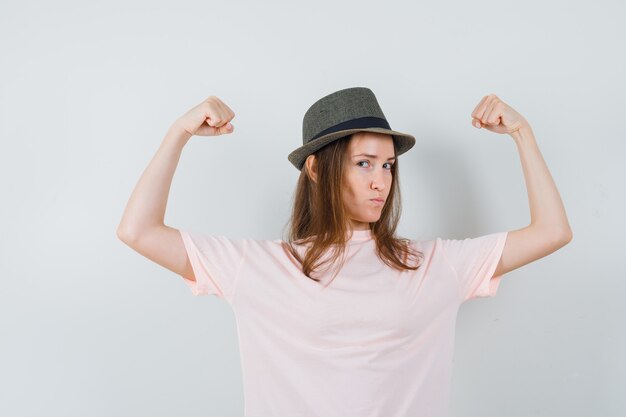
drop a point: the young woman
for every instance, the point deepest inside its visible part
(344, 318)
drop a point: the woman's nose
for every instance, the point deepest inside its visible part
(378, 182)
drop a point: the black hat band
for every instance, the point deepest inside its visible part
(360, 123)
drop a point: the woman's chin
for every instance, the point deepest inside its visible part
(368, 219)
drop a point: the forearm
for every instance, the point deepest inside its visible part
(546, 208)
(148, 201)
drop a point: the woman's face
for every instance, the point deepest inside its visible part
(367, 177)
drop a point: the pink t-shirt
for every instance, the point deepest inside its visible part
(375, 342)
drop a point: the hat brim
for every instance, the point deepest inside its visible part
(404, 142)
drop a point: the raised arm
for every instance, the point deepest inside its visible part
(549, 228)
(142, 226)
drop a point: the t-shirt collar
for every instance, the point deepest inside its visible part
(359, 235)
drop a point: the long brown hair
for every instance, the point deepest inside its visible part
(320, 217)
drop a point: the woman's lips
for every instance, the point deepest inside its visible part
(377, 201)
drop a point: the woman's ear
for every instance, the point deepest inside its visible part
(311, 167)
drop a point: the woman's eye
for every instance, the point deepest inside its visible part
(388, 163)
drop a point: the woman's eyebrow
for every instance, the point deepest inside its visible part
(372, 156)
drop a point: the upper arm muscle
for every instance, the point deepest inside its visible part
(163, 245)
(526, 245)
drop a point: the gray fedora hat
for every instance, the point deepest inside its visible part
(340, 114)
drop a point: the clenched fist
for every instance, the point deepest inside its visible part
(210, 118)
(495, 115)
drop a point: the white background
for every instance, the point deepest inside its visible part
(87, 92)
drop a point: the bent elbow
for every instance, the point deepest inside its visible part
(565, 237)
(123, 235)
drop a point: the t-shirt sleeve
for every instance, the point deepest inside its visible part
(474, 261)
(216, 261)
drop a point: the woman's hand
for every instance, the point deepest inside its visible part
(210, 118)
(495, 115)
